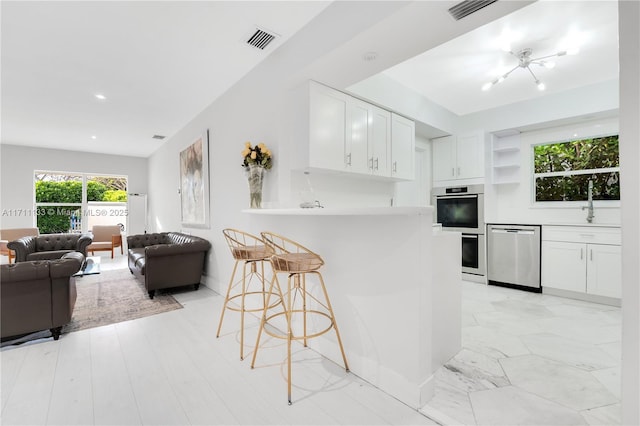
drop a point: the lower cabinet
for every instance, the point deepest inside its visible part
(583, 260)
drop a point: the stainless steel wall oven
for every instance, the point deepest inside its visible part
(461, 208)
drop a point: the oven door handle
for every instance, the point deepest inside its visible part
(449, 196)
(470, 236)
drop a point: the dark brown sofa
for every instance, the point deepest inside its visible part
(38, 295)
(49, 246)
(167, 259)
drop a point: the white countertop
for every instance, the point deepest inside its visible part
(587, 224)
(350, 211)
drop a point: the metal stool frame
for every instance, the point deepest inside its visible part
(297, 262)
(251, 251)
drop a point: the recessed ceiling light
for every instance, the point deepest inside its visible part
(94, 137)
(100, 96)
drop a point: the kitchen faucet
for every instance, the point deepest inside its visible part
(589, 205)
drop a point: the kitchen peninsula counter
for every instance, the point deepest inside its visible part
(395, 286)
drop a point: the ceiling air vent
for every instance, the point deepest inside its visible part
(467, 7)
(159, 137)
(260, 39)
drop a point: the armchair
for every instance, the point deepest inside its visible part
(38, 295)
(106, 238)
(49, 246)
(7, 235)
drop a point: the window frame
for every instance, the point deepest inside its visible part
(85, 205)
(566, 173)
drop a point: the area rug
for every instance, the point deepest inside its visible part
(115, 296)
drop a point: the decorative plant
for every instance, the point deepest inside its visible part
(259, 154)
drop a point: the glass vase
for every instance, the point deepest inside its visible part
(255, 176)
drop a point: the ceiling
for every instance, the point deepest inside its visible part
(158, 64)
(453, 73)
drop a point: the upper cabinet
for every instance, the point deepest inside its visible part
(350, 135)
(403, 147)
(458, 157)
(327, 124)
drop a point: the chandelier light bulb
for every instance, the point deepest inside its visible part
(573, 51)
(486, 86)
(540, 85)
(548, 64)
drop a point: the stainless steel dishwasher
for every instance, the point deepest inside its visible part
(513, 255)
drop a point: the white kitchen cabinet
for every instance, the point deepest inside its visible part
(458, 157)
(444, 158)
(356, 149)
(327, 128)
(368, 139)
(564, 266)
(379, 141)
(403, 147)
(582, 259)
(470, 156)
(604, 270)
(350, 135)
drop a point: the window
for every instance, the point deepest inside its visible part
(74, 202)
(562, 171)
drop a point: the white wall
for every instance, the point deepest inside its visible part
(512, 203)
(629, 24)
(19, 163)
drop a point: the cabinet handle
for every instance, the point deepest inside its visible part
(348, 159)
(581, 253)
(458, 171)
(453, 171)
(591, 255)
(376, 168)
(371, 163)
(395, 166)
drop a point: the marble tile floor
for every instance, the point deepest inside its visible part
(531, 359)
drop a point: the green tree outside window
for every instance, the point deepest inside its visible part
(563, 170)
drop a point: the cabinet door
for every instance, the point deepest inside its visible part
(403, 147)
(327, 120)
(444, 158)
(380, 141)
(604, 270)
(358, 135)
(564, 265)
(470, 156)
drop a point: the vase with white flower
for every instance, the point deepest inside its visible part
(257, 159)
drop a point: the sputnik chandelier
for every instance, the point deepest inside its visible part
(524, 62)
